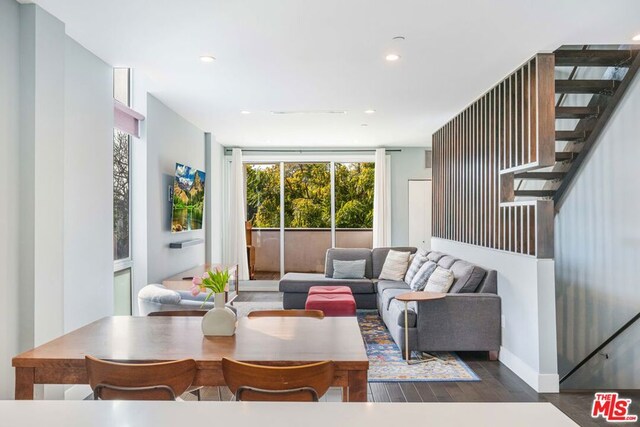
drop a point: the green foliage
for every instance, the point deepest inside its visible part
(307, 200)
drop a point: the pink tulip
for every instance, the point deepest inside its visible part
(195, 290)
(197, 280)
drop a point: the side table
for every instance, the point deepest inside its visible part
(414, 296)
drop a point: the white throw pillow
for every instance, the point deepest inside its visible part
(415, 262)
(439, 281)
(395, 266)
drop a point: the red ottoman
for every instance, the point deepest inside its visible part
(331, 290)
(332, 305)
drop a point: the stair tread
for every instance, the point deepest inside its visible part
(593, 58)
(587, 86)
(541, 175)
(565, 155)
(576, 112)
(535, 193)
(571, 135)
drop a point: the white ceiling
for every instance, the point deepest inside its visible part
(309, 55)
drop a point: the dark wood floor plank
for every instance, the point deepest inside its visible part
(410, 392)
(440, 391)
(425, 392)
(395, 392)
(379, 392)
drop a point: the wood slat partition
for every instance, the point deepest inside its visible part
(511, 128)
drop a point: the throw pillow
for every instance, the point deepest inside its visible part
(421, 277)
(395, 266)
(349, 269)
(415, 262)
(439, 281)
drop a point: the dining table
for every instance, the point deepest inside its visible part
(272, 341)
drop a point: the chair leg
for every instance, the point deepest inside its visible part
(196, 393)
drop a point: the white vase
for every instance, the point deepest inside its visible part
(220, 320)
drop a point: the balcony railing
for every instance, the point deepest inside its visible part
(304, 248)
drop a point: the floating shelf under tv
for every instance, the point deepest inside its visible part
(186, 243)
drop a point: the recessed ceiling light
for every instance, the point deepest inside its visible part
(364, 125)
(369, 111)
(392, 57)
(400, 38)
(245, 112)
(636, 38)
(207, 58)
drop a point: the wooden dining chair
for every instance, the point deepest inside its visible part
(317, 314)
(304, 383)
(143, 381)
(172, 313)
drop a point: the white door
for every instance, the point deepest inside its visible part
(420, 213)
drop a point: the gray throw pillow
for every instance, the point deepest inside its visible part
(349, 269)
(420, 279)
(414, 265)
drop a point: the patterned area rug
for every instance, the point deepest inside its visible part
(386, 363)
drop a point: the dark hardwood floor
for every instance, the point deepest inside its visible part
(498, 384)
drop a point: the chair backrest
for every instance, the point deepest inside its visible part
(317, 314)
(304, 383)
(144, 381)
(171, 313)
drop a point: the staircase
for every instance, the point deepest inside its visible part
(583, 107)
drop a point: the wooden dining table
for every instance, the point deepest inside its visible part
(275, 341)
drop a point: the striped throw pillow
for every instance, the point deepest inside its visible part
(440, 281)
(395, 266)
(420, 279)
(414, 265)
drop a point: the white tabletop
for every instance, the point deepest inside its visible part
(159, 414)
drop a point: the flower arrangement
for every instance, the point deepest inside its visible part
(214, 282)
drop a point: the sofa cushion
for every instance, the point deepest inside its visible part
(446, 262)
(396, 311)
(439, 281)
(415, 262)
(383, 285)
(379, 255)
(395, 266)
(422, 277)
(349, 269)
(301, 282)
(389, 295)
(348, 254)
(159, 294)
(467, 277)
(435, 256)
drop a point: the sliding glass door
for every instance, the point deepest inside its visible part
(298, 210)
(307, 216)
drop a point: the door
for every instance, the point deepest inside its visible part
(420, 213)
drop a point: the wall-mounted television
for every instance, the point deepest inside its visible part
(188, 199)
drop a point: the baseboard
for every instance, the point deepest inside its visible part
(542, 383)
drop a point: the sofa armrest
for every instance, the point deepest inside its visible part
(460, 322)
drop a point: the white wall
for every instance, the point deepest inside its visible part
(9, 214)
(213, 199)
(88, 187)
(405, 165)
(597, 253)
(171, 139)
(526, 287)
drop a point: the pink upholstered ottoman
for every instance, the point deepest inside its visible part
(332, 305)
(331, 290)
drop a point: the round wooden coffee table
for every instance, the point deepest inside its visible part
(407, 298)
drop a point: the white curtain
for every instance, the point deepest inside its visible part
(381, 203)
(237, 217)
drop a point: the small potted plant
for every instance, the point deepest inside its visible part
(220, 320)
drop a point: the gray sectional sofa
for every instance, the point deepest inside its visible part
(468, 319)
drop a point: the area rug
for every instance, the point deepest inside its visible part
(244, 308)
(386, 363)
